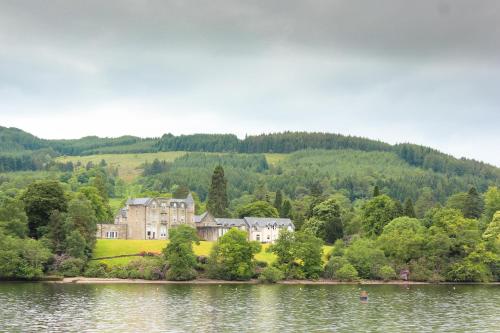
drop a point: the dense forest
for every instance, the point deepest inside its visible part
(13, 142)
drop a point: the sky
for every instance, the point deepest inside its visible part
(425, 72)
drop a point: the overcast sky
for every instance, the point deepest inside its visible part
(425, 72)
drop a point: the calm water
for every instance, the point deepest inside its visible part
(26, 307)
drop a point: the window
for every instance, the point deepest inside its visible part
(163, 232)
(111, 234)
(257, 237)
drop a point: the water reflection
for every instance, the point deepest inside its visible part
(246, 308)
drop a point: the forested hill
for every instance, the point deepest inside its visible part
(20, 150)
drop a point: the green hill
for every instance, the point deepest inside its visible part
(293, 162)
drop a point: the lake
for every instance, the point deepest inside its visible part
(145, 308)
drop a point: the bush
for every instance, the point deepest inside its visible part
(333, 265)
(386, 273)
(366, 258)
(71, 267)
(271, 275)
(145, 268)
(232, 256)
(119, 272)
(96, 269)
(179, 254)
(261, 264)
(468, 271)
(347, 273)
(202, 260)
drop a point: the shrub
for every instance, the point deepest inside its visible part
(271, 275)
(386, 273)
(261, 264)
(202, 260)
(119, 272)
(232, 256)
(71, 267)
(179, 254)
(366, 258)
(468, 271)
(143, 268)
(96, 269)
(347, 273)
(333, 265)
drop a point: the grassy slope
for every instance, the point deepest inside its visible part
(115, 247)
(129, 164)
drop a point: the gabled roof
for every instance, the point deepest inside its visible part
(199, 218)
(268, 221)
(189, 198)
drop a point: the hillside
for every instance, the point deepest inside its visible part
(291, 162)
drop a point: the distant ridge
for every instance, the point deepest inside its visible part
(18, 144)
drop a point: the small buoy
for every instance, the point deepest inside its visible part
(363, 296)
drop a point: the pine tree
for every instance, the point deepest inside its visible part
(278, 201)
(408, 209)
(218, 202)
(376, 191)
(473, 207)
(286, 209)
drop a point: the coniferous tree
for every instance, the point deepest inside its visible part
(398, 208)
(286, 209)
(218, 202)
(376, 191)
(278, 201)
(408, 209)
(473, 204)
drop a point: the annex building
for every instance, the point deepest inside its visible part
(152, 218)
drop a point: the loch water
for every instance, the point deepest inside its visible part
(46, 307)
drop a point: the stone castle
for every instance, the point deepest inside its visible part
(152, 218)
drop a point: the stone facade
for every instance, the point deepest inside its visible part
(152, 218)
(118, 231)
(264, 230)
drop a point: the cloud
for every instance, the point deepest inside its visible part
(424, 72)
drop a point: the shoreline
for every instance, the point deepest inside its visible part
(87, 280)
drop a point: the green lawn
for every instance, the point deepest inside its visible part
(115, 247)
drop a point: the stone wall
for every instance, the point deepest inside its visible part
(120, 229)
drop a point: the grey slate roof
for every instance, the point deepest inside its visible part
(190, 199)
(199, 218)
(139, 201)
(230, 222)
(267, 221)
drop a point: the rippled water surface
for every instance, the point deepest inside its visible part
(40, 307)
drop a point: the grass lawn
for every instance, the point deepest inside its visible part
(115, 247)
